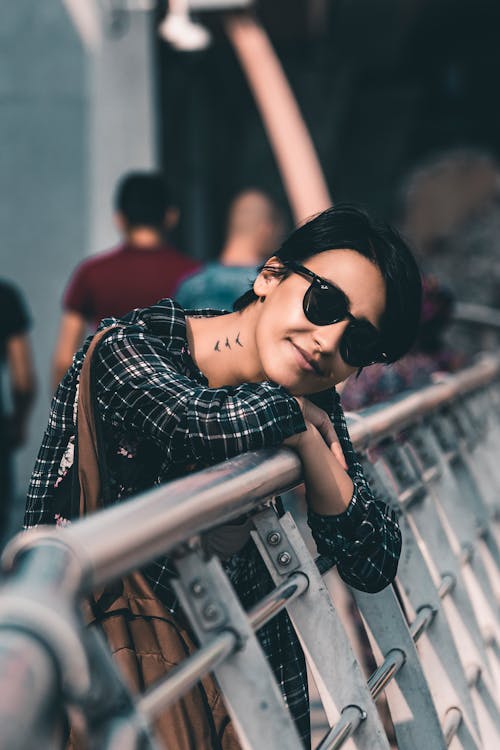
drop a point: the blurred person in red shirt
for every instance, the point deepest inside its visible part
(143, 269)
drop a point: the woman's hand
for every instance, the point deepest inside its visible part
(329, 487)
(317, 421)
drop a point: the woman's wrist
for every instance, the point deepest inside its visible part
(329, 488)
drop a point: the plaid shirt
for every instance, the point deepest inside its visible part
(160, 419)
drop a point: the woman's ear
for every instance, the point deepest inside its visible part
(269, 277)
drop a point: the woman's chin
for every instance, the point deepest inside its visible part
(298, 388)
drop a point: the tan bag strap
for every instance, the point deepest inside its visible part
(134, 594)
(87, 444)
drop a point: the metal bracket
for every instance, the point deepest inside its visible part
(446, 435)
(395, 468)
(273, 539)
(198, 592)
(467, 425)
(326, 645)
(250, 690)
(424, 451)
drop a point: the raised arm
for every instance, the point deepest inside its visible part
(359, 534)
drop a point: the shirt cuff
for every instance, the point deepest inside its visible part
(352, 525)
(287, 412)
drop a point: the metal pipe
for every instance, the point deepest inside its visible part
(125, 733)
(428, 475)
(128, 535)
(396, 415)
(412, 494)
(187, 674)
(30, 709)
(183, 677)
(391, 665)
(473, 674)
(424, 617)
(477, 314)
(452, 721)
(350, 719)
(466, 553)
(276, 600)
(448, 583)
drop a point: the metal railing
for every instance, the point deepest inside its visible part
(433, 455)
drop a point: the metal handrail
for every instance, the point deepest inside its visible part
(96, 550)
(127, 536)
(180, 679)
(391, 417)
(480, 315)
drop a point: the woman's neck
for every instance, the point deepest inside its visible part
(223, 348)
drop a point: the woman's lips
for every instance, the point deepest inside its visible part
(306, 362)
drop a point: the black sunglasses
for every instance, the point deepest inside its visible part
(325, 304)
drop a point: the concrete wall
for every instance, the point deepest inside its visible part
(43, 173)
(72, 119)
(121, 116)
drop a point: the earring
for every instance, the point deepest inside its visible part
(262, 299)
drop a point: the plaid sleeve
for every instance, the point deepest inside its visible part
(142, 392)
(364, 541)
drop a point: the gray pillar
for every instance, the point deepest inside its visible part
(121, 114)
(43, 174)
(73, 117)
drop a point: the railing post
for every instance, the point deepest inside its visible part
(416, 721)
(250, 692)
(323, 638)
(438, 652)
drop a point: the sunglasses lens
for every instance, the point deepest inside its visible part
(324, 306)
(360, 345)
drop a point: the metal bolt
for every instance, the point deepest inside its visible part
(274, 538)
(211, 612)
(197, 588)
(284, 558)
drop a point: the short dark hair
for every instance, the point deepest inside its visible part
(143, 198)
(348, 227)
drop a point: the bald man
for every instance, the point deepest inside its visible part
(254, 232)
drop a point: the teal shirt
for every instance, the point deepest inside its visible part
(215, 287)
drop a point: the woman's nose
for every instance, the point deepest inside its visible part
(328, 338)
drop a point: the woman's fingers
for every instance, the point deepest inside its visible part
(326, 429)
(320, 419)
(317, 422)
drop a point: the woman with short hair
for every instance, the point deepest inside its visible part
(180, 390)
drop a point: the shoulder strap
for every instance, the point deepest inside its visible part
(92, 469)
(94, 485)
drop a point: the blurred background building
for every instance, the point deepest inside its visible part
(89, 89)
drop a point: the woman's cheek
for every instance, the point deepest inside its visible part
(346, 373)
